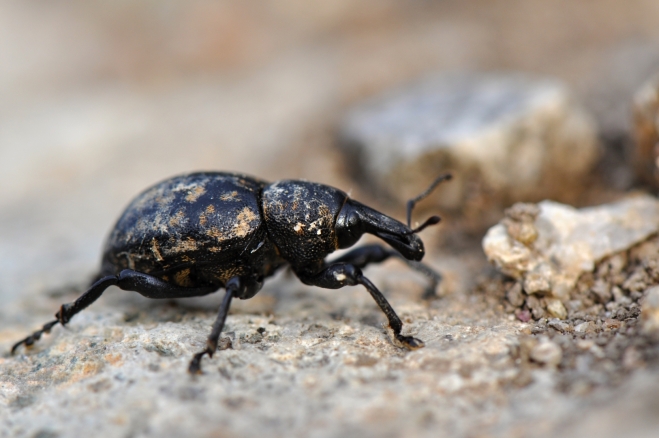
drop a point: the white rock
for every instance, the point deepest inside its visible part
(508, 137)
(569, 241)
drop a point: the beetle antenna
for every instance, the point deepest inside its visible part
(432, 220)
(412, 202)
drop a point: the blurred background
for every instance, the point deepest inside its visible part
(98, 99)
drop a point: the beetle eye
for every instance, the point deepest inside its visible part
(352, 219)
(349, 226)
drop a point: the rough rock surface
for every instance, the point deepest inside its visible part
(508, 138)
(646, 131)
(308, 362)
(547, 247)
(303, 362)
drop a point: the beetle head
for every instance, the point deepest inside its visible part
(355, 219)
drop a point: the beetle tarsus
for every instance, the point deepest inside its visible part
(410, 342)
(30, 340)
(195, 363)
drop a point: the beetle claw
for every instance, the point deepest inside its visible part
(410, 342)
(195, 363)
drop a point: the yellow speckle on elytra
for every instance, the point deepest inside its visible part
(184, 245)
(155, 250)
(177, 218)
(182, 278)
(195, 193)
(229, 196)
(244, 218)
(203, 218)
(216, 234)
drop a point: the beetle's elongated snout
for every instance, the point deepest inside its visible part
(409, 245)
(355, 219)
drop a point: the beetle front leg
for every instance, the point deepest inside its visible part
(233, 287)
(339, 275)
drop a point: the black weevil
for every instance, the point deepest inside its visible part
(193, 234)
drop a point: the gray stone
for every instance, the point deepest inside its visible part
(569, 242)
(506, 137)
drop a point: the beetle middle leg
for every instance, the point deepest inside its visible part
(374, 253)
(129, 280)
(233, 287)
(339, 275)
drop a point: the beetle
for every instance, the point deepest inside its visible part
(193, 234)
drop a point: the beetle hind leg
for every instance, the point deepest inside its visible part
(30, 340)
(144, 284)
(67, 311)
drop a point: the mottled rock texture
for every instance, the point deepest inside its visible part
(303, 363)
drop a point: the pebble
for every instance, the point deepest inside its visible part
(585, 327)
(523, 315)
(560, 326)
(612, 324)
(515, 296)
(506, 137)
(556, 308)
(547, 353)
